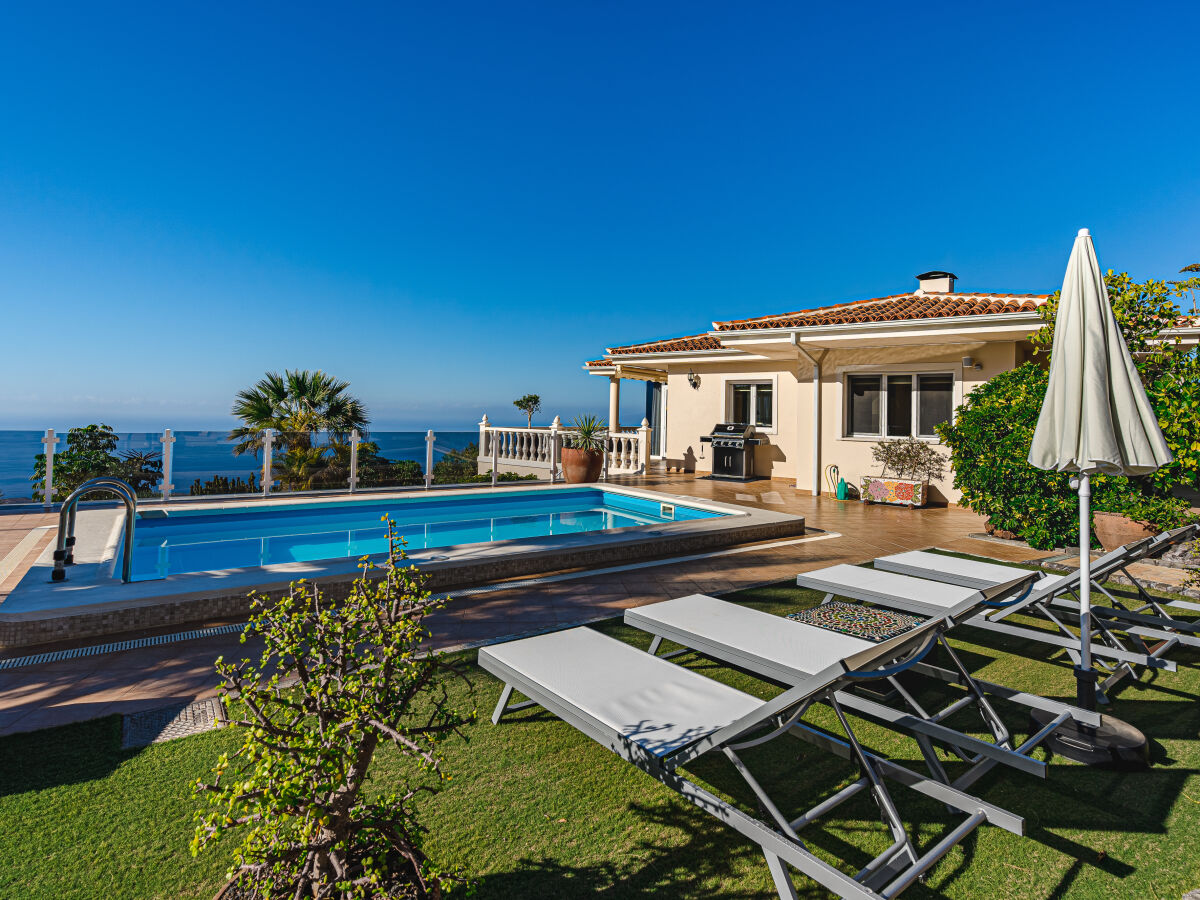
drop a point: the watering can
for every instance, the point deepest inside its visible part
(837, 484)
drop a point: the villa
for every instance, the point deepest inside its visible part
(821, 386)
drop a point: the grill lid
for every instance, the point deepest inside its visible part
(733, 429)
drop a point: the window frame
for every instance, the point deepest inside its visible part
(737, 381)
(883, 373)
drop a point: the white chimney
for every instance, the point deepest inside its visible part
(936, 282)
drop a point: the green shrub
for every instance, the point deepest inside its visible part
(1163, 512)
(909, 458)
(222, 484)
(460, 467)
(989, 443)
(989, 447)
(296, 793)
(91, 453)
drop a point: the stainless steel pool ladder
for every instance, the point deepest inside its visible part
(64, 549)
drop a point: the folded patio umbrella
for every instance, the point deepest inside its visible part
(1096, 417)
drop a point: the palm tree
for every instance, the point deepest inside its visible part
(296, 404)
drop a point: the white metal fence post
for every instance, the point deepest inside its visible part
(168, 442)
(48, 487)
(268, 439)
(644, 447)
(428, 458)
(355, 438)
(554, 447)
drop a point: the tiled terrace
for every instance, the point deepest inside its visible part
(56, 693)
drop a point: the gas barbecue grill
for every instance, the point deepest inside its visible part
(733, 450)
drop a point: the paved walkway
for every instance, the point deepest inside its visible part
(130, 681)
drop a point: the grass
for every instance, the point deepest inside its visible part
(535, 810)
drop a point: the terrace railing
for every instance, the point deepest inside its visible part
(626, 452)
(177, 464)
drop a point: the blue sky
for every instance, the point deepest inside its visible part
(451, 205)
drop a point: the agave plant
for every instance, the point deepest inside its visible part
(588, 433)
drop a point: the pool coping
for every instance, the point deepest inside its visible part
(110, 607)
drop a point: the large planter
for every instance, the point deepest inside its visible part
(894, 491)
(582, 466)
(1115, 530)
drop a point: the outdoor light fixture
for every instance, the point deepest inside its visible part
(969, 363)
(693, 379)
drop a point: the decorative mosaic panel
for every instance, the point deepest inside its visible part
(893, 490)
(867, 622)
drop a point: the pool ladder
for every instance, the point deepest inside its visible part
(64, 549)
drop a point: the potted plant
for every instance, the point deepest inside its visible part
(1124, 514)
(583, 450)
(912, 463)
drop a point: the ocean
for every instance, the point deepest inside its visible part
(200, 454)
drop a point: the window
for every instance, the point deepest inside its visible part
(864, 404)
(753, 404)
(935, 401)
(898, 405)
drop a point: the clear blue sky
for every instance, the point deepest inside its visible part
(451, 205)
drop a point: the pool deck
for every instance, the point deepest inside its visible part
(128, 681)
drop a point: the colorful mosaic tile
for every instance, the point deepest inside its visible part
(867, 622)
(892, 490)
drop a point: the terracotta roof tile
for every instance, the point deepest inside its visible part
(897, 307)
(670, 345)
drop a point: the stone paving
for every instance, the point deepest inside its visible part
(151, 678)
(169, 722)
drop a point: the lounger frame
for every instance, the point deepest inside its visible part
(1119, 633)
(887, 874)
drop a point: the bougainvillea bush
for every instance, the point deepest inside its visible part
(335, 680)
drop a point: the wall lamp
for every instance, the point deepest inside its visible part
(693, 379)
(969, 363)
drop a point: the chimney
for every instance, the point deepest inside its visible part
(936, 283)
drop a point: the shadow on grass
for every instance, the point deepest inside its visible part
(69, 754)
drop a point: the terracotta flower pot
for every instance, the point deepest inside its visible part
(1115, 530)
(582, 466)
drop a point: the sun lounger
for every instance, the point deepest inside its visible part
(787, 652)
(660, 717)
(1120, 633)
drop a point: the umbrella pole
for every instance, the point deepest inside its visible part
(1085, 676)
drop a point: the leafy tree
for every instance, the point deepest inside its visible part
(90, 452)
(1170, 370)
(295, 789)
(990, 437)
(296, 404)
(531, 405)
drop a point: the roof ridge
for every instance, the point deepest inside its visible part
(817, 310)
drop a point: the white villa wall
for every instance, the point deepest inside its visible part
(787, 454)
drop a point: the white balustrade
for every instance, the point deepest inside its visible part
(628, 452)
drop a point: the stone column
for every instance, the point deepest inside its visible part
(614, 403)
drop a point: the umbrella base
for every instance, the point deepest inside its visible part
(1115, 744)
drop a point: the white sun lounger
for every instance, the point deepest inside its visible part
(660, 716)
(1149, 620)
(788, 652)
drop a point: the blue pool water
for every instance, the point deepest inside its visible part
(183, 540)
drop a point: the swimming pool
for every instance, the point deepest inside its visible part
(177, 541)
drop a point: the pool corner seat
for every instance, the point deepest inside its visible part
(660, 716)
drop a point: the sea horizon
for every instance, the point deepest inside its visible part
(200, 454)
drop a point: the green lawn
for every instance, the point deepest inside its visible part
(535, 810)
